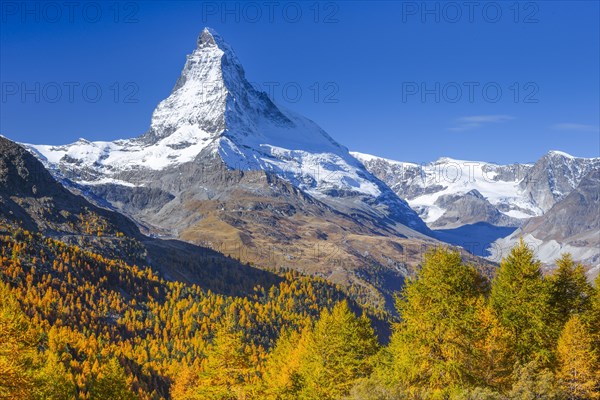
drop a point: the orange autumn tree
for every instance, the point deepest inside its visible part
(579, 364)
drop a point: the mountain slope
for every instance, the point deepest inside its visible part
(432, 189)
(30, 198)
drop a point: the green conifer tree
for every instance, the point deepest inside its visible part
(339, 351)
(111, 383)
(432, 348)
(226, 373)
(520, 299)
(570, 291)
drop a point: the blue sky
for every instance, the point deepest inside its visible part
(494, 81)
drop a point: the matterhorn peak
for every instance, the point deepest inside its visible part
(199, 99)
(212, 97)
(215, 117)
(215, 112)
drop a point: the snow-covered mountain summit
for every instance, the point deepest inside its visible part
(223, 166)
(212, 98)
(214, 112)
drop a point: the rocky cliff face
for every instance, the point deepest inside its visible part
(577, 213)
(469, 208)
(554, 176)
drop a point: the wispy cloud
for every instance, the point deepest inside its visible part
(570, 126)
(477, 121)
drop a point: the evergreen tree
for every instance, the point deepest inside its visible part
(111, 383)
(226, 372)
(339, 351)
(17, 349)
(570, 292)
(520, 299)
(282, 378)
(432, 348)
(579, 365)
(52, 380)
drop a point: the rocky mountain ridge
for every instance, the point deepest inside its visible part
(477, 204)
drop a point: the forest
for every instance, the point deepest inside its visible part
(75, 324)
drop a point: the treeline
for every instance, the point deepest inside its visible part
(74, 324)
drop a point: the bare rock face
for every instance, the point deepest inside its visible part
(470, 208)
(577, 213)
(554, 176)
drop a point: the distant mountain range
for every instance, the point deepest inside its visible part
(553, 203)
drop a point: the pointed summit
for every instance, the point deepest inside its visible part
(210, 39)
(206, 38)
(198, 100)
(211, 96)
